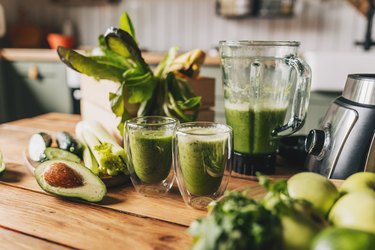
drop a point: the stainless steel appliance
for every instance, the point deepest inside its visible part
(345, 142)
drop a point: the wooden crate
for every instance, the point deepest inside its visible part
(95, 103)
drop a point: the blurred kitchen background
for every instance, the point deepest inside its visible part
(335, 38)
(321, 25)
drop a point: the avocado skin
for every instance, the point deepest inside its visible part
(343, 239)
(93, 189)
(67, 142)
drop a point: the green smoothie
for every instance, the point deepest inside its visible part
(151, 153)
(202, 160)
(252, 128)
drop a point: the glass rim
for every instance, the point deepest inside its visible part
(258, 43)
(167, 121)
(227, 128)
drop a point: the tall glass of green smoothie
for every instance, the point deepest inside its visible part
(148, 141)
(266, 95)
(202, 166)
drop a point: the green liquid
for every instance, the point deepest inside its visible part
(151, 156)
(252, 129)
(203, 163)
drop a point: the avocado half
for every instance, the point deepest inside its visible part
(69, 179)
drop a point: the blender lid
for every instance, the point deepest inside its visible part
(360, 88)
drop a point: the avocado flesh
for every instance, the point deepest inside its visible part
(91, 188)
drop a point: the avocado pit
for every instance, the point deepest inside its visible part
(59, 174)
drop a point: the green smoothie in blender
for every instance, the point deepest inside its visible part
(263, 82)
(253, 128)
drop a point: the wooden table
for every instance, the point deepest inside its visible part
(33, 219)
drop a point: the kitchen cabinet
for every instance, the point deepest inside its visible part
(35, 87)
(3, 96)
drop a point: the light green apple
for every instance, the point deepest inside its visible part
(355, 210)
(358, 182)
(335, 238)
(314, 188)
(300, 226)
(298, 231)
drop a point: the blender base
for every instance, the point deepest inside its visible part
(250, 164)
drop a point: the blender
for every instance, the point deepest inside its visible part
(266, 94)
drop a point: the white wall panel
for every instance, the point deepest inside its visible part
(320, 26)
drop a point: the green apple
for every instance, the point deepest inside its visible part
(343, 239)
(355, 210)
(298, 231)
(300, 225)
(315, 188)
(358, 181)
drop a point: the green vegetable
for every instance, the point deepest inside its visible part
(127, 25)
(102, 154)
(89, 160)
(163, 92)
(89, 66)
(297, 216)
(69, 179)
(67, 142)
(37, 144)
(237, 222)
(59, 154)
(343, 239)
(275, 222)
(2, 164)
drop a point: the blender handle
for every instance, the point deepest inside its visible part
(300, 100)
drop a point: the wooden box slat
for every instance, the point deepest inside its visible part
(95, 104)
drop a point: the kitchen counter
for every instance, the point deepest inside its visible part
(31, 218)
(51, 56)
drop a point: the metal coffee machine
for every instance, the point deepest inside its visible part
(345, 141)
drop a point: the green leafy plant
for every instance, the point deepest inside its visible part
(277, 221)
(236, 222)
(164, 91)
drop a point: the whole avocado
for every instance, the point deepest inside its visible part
(335, 238)
(67, 142)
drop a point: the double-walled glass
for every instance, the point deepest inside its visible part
(266, 94)
(202, 152)
(148, 141)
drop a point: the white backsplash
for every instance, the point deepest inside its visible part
(320, 25)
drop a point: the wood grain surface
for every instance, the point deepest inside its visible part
(16, 240)
(33, 219)
(72, 223)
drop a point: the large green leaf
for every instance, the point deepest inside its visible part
(190, 103)
(122, 43)
(132, 80)
(89, 66)
(117, 101)
(163, 67)
(127, 25)
(141, 93)
(125, 116)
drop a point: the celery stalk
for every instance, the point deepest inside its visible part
(104, 137)
(103, 148)
(90, 161)
(88, 157)
(92, 142)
